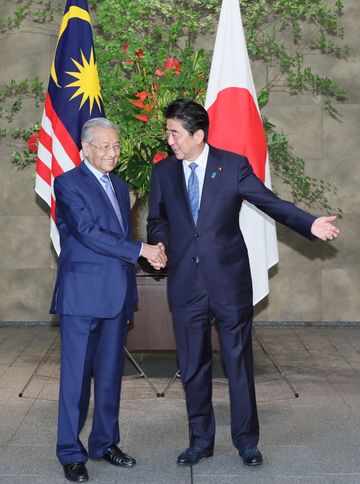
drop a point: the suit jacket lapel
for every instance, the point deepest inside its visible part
(180, 189)
(211, 185)
(96, 185)
(94, 182)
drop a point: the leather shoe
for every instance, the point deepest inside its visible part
(76, 472)
(192, 455)
(117, 457)
(251, 456)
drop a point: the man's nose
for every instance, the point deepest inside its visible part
(170, 139)
(113, 151)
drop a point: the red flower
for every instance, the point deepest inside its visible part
(149, 107)
(125, 47)
(142, 95)
(159, 156)
(32, 142)
(143, 117)
(139, 104)
(139, 53)
(158, 72)
(172, 63)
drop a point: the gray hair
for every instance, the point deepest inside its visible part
(90, 125)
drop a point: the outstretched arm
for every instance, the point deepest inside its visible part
(283, 211)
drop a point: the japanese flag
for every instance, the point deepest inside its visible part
(235, 125)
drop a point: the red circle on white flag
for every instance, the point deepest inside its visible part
(235, 125)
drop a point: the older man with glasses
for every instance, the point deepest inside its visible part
(94, 294)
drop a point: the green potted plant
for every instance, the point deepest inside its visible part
(148, 54)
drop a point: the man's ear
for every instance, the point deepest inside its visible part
(199, 136)
(84, 148)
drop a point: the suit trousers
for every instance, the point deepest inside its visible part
(192, 326)
(89, 348)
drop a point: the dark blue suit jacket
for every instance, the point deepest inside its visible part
(216, 240)
(96, 274)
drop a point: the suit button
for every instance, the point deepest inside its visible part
(196, 236)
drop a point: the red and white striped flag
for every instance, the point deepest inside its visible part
(73, 97)
(235, 125)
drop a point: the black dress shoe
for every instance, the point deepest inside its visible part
(192, 455)
(251, 456)
(117, 457)
(76, 472)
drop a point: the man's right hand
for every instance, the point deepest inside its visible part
(155, 254)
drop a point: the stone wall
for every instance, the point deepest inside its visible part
(27, 262)
(315, 281)
(312, 282)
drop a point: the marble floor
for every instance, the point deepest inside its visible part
(312, 438)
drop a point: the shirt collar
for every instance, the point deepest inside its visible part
(202, 160)
(93, 170)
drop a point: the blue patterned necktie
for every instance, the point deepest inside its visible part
(112, 197)
(193, 191)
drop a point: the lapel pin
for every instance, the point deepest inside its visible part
(213, 175)
(220, 169)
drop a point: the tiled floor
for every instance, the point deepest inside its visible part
(310, 439)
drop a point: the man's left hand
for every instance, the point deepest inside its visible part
(324, 229)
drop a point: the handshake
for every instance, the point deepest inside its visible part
(155, 254)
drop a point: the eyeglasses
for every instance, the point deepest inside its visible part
(106, 148)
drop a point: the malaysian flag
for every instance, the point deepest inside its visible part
(73, 97)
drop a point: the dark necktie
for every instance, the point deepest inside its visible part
(112, 197)
(193, 191)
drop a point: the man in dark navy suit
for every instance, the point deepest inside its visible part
(94, 293)
(196, 198)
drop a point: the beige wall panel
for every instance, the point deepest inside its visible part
(17, 195)
(340, 293)
(295, 294)
(29, 249)
(26, 55)
(342, 140)
(303, 125)
(26, 294)
(344, 173)
(313, 281)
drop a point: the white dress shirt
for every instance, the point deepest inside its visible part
(200, 170)
(98, 174)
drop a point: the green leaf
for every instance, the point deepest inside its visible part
(263, 98)
(280, 35)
